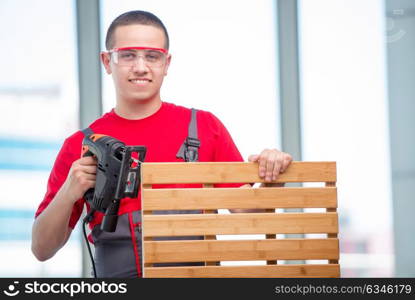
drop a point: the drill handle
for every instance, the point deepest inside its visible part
(89, 194)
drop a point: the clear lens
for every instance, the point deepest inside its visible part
(152, 58)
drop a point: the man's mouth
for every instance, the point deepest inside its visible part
(140, 81)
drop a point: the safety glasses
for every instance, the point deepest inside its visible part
(128, 56)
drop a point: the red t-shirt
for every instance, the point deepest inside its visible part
(162, 133)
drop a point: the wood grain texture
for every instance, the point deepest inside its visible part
(233, 172)
(241, 223)
(269, 271)
(239, 250)
(262, 219)
(234, 198)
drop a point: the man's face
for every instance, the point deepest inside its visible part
(138, 82)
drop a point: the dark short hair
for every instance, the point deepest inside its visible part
(134, 17)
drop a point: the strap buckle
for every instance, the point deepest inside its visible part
(192, 142)
(190, 152)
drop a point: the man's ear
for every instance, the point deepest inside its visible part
(166, 67)
(105, 59)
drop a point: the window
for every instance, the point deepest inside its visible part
(38, 110)
(344, 119)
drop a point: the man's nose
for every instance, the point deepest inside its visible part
(140, 65)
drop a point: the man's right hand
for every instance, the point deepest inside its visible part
(81, 177)
(50, 229)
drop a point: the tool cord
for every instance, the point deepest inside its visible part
(87, 219)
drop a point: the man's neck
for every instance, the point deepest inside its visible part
(137, 110)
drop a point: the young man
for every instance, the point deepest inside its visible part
(137, 58)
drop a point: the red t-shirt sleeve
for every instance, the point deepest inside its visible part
(225, 149)
(66, 156)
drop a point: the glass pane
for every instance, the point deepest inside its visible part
(38, 110)
(344, 119)
(400, 26)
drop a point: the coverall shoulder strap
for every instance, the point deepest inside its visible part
(190, 147)
(87, 131)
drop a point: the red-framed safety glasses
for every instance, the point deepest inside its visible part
(128, 56)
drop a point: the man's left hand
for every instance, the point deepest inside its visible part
(272, 162)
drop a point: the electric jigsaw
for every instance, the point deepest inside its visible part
(117, 177)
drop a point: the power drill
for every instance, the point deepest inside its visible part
(118, 175)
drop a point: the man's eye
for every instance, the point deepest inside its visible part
(153, 56)
(126, 55)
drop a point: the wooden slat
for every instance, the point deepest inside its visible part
(233, 172)
(241, 223)
(230, 250)
(291, 271)
(231, 198)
